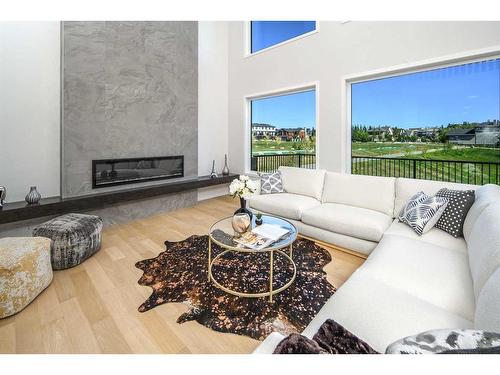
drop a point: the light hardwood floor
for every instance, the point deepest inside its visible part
(92, 308)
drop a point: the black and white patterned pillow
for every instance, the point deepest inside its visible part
(271, 183)
(413, 202)
(453, 217)
(447, 341)
(422, 212)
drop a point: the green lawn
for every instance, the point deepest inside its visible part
(487, 155)
(392, 148)
(274, 147)
(424, 167)
(429, 151)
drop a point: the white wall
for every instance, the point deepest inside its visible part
(335, 51)
(29, 108)
(212, 101)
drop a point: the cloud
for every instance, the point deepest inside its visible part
(473, 97)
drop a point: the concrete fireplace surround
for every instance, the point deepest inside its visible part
(128, 89)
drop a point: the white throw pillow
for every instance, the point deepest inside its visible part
(422, 212)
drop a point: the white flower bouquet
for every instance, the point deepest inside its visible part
(242, 187)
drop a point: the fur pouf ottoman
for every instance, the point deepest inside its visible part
(25, 272)
(75, 237)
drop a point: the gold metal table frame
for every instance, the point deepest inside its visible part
(271, 251)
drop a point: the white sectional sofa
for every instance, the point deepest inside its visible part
(409, 283)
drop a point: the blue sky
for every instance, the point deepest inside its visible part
(268, 33)
(467, 92)
(292, 110)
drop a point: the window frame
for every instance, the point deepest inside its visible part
(447, 61)
(248, 39)
(308, 86)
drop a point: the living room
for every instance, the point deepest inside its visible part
(184, 182)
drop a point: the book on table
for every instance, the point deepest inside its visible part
(262, 236)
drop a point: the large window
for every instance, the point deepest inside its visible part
(283, 131)
(441, 124)
(265, 34)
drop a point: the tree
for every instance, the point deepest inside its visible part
(359, 135)
(442, 135)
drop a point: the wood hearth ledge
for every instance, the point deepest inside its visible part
(18, 211)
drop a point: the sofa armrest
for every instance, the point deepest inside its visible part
(269, 344)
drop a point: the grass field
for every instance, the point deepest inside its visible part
(272, 147)
(427, 151)
(390, 149)
(467, 165)
(486, 155)
(475, 165)
(398, 150)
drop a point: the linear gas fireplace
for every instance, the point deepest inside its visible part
(110, 172)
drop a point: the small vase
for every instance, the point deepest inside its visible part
(241, 222)
(33, 196)
(258, 221)
(3, 194)
(243, 208)
(225, 170)
(213, 174)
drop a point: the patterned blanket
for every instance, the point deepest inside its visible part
(331, 338)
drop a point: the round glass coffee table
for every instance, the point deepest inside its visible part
(222, 234)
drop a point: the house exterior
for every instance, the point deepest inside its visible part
(461, 136)
(488, 135)
(293, 134)
(480, 135)
(261, 131)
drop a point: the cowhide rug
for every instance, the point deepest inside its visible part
(179, 274)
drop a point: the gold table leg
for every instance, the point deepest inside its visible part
(209, 256)
(271, 254)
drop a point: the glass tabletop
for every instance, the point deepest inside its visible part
(223, 234)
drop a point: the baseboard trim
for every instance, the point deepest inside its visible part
(331, 246)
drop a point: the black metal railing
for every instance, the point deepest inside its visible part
(468, 172)
(270, 163)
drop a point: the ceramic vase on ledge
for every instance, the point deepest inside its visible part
(213, 174)
(3, 194)
(33, 196)
(225, 170)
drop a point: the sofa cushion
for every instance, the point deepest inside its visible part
(434, 236)
(488, 304)
(485, 195)
(407, 187)
(484, 246)
(341, 240)
(348, 220)
(283, 204)
(380, 314)
(431, 273)
(374, 193)
(302, 181)
(459, 203)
